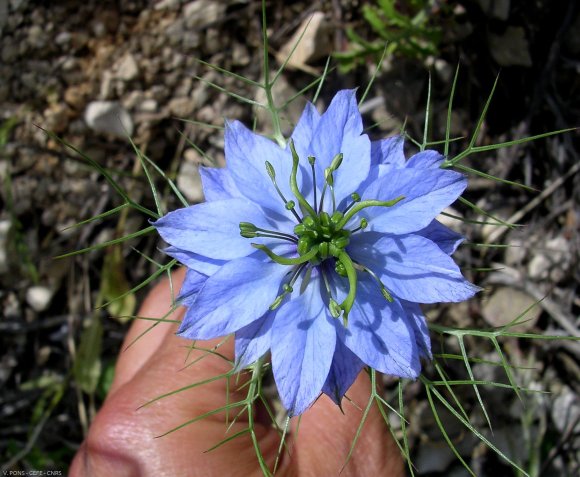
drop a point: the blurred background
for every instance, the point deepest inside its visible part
(93, 71)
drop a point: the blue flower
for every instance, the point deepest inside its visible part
(319, 252)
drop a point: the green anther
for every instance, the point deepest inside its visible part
(277, 302)
(287, 261)
(309, 221)
(336, 162)
(348, 302)
(270, 170)
(248, 227)
(386, 294)
(311, 160)
(335, 309)
(339, 268)
(248, 234)
(363, 205)
(294, 182)
(364, 223)
(336, 217)
(304, 245)
(287, 288)
(328, 176)
(290, 205)
(340, 242)
(355, 197)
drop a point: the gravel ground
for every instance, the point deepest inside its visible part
(91, 72)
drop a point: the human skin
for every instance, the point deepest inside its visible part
(122, 440)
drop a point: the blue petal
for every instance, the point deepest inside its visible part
(253, 341)
(218, 184)
(445, 238)
(192, 283)
(340, 130)
(412, 267)
(246, 154)
(304, 130)
(199, 263)
(343, 371)
(211, 229)
(238, 294)
(379, 334)
(389, 151)
(419, 324)
(426, 194)
(303, 342)
(428, 159)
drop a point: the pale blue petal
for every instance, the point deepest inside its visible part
(204, 265)
(426, 194)
(445, 238)
(389, 151)
(379, 334)
(253, 341)
(304, 130)
(428, 159)
(303, 342)
(218, 184)
(340, 131)
(419, 323)
(236, 295)
(212, 229)
(344, 369)
(246, 155)
(192, 283)
(412, 268)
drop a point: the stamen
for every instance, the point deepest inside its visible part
(333, 306)
(288, 287)
(329, 181)
(382, 287)
(249, 230)
(363, 225)
(311, 161)
(289, 204)
(355, 198)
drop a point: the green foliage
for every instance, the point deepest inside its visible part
(407, 29)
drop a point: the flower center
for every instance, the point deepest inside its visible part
(319, 236)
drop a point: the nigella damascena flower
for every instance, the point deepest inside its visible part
(319, 252)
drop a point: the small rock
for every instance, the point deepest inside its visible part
(181, 107)
(511, 48)
(316, 42)
(148, 106)
(127, 68)
(505, 304)
(56, 118)
(499, 9)
(167, 5)
(189, 181)
(4, 229)
(566, 410)
(108, 117)
(39, 297)
(201, 13)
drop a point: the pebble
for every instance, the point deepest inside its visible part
(201, 13)
(39, 297)
(108, 117)
(127, 68)
(189, 181)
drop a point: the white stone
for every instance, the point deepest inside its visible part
(127, 68)
(39, 297)
(108, 117)
(201, 13)
(189, 181)
(313, 40)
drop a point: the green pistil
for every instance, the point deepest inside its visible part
(294, 182)
(363, 205)
(287, 261)
(348, 302)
